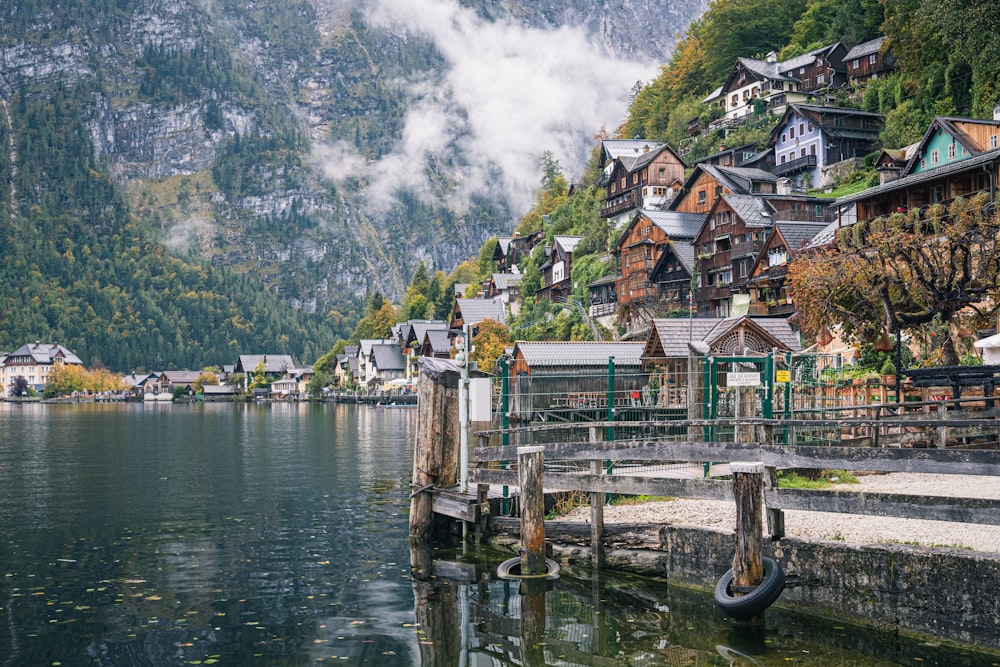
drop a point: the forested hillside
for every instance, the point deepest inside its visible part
(181, 182)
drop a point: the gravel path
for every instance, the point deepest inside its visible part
(851, 528)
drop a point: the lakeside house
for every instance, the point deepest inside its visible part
(35, 362)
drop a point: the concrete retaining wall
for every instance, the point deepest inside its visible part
(946, 593)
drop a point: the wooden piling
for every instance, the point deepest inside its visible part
(748, 566)
(530, 463)
(435, 453)
(596, 512)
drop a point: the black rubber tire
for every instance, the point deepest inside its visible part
(755, 601)
(506, 570)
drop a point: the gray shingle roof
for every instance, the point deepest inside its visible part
(567, 243)
(824, 237)
(273, 363)
(674, 334)
(616, 148)
(439, 341)
(44, 353)
(476, 310)
(865, 48)
(676, 225)
(504, 281)
(579, 354)
(798, 234)
(605, 280)
(753, 210)
(388, 357)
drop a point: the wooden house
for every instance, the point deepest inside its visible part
(558, 376)
(672, 275)
(557, 281)
(507, 286)
(637, 250)
(755, 87)
(648, 179)
(707, 183)
(436, 345)
(868, 60)
(474, 311)
(602, 296)
(810, 138)
(502, 254)
(768, 287)
(957, 157)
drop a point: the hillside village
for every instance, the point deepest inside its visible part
(710, 239)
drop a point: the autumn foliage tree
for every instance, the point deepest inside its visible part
(905, 270)
(490, 341)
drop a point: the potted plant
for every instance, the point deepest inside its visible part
(888, 372)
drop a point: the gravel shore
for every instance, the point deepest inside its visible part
(850, 528)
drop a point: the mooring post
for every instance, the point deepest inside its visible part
(748, 566)
(596, 512)
(530, 464)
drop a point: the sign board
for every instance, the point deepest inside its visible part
(743, 379)
(782, 376)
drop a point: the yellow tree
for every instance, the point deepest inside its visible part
(205, 377)
(490, 341)
(66, 379)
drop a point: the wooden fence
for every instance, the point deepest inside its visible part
(965, 457)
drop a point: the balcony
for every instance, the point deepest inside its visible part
(620, 204)
(795, 166)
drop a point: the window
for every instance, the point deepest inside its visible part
(820, 79)
(623, 182)
(734, 100)
(993, 141)
(802, 129)
(923, 163)
(855, 64)
(811, 126)
(935, 156)
(791, 132)
(872, 59)
(951, 151)
(783, 137)
(812, 149)
(783, 159)
(702, 197)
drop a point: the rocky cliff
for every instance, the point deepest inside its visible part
(324, 147)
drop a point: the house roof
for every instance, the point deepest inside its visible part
(616, 148)
(567, 243)
(825, 236)
(438, 340)
(273, 363)
(474, 311)
(180, 377)
(823, 118)
(420, 327)
(798, 234)
(684, 252)
(46, 353)
(754, 210)
(388, 357)
(674, 334)
(924, 176)
(365, 345)
(674, 224)
(503, 281)
(606, 280)
(865, 48)
(579, 354)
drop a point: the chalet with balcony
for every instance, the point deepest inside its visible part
(809, 138)
(637, 251)
(957, 157)
(648, 179)
(768, 287)
(868, 60)
(556, 271)
(708, 183)
(603, 296)
(754, 87)
(726, 247)
(672, 275)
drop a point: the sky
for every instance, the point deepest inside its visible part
(510, 94)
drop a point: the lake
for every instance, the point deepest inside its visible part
(276, 534)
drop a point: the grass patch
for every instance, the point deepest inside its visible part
(639, 500)
(825, 479)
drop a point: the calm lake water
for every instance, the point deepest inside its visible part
(218, 534)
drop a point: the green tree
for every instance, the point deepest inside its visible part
(260, 380)
(316, 385)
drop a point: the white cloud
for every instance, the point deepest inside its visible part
(509, 94)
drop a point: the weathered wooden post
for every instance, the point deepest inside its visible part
(435, 453)
(775, 517)
(748, 566)
(596, 512)
(530, 463)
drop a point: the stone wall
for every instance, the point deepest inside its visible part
(944, 593)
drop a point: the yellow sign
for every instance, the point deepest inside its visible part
(782, 376)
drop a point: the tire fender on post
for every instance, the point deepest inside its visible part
(756, 600)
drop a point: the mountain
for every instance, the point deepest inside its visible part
(317, 150)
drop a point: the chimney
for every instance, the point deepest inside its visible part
(771, 57)
(645, 149)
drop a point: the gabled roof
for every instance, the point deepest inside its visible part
(865, 48)
(684, 252)
(929, 175)
(674, 334)
(630, 148)
(504, 281)
(753, 210)
(388, 357)
(797, 234)
(419, 327)
(579, 354)
(567, 243)
(726, 151)
(365, 345)
(645, 158)
(825, 236)
(949, 124)
(674, 224)
(273, 363)
(46, 353)
(606, 280)
(474, 311)
(438, 340)
(180, 377)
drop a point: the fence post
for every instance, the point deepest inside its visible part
(596, 513)
(942, 430)
(530, 464)
(748, 566)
